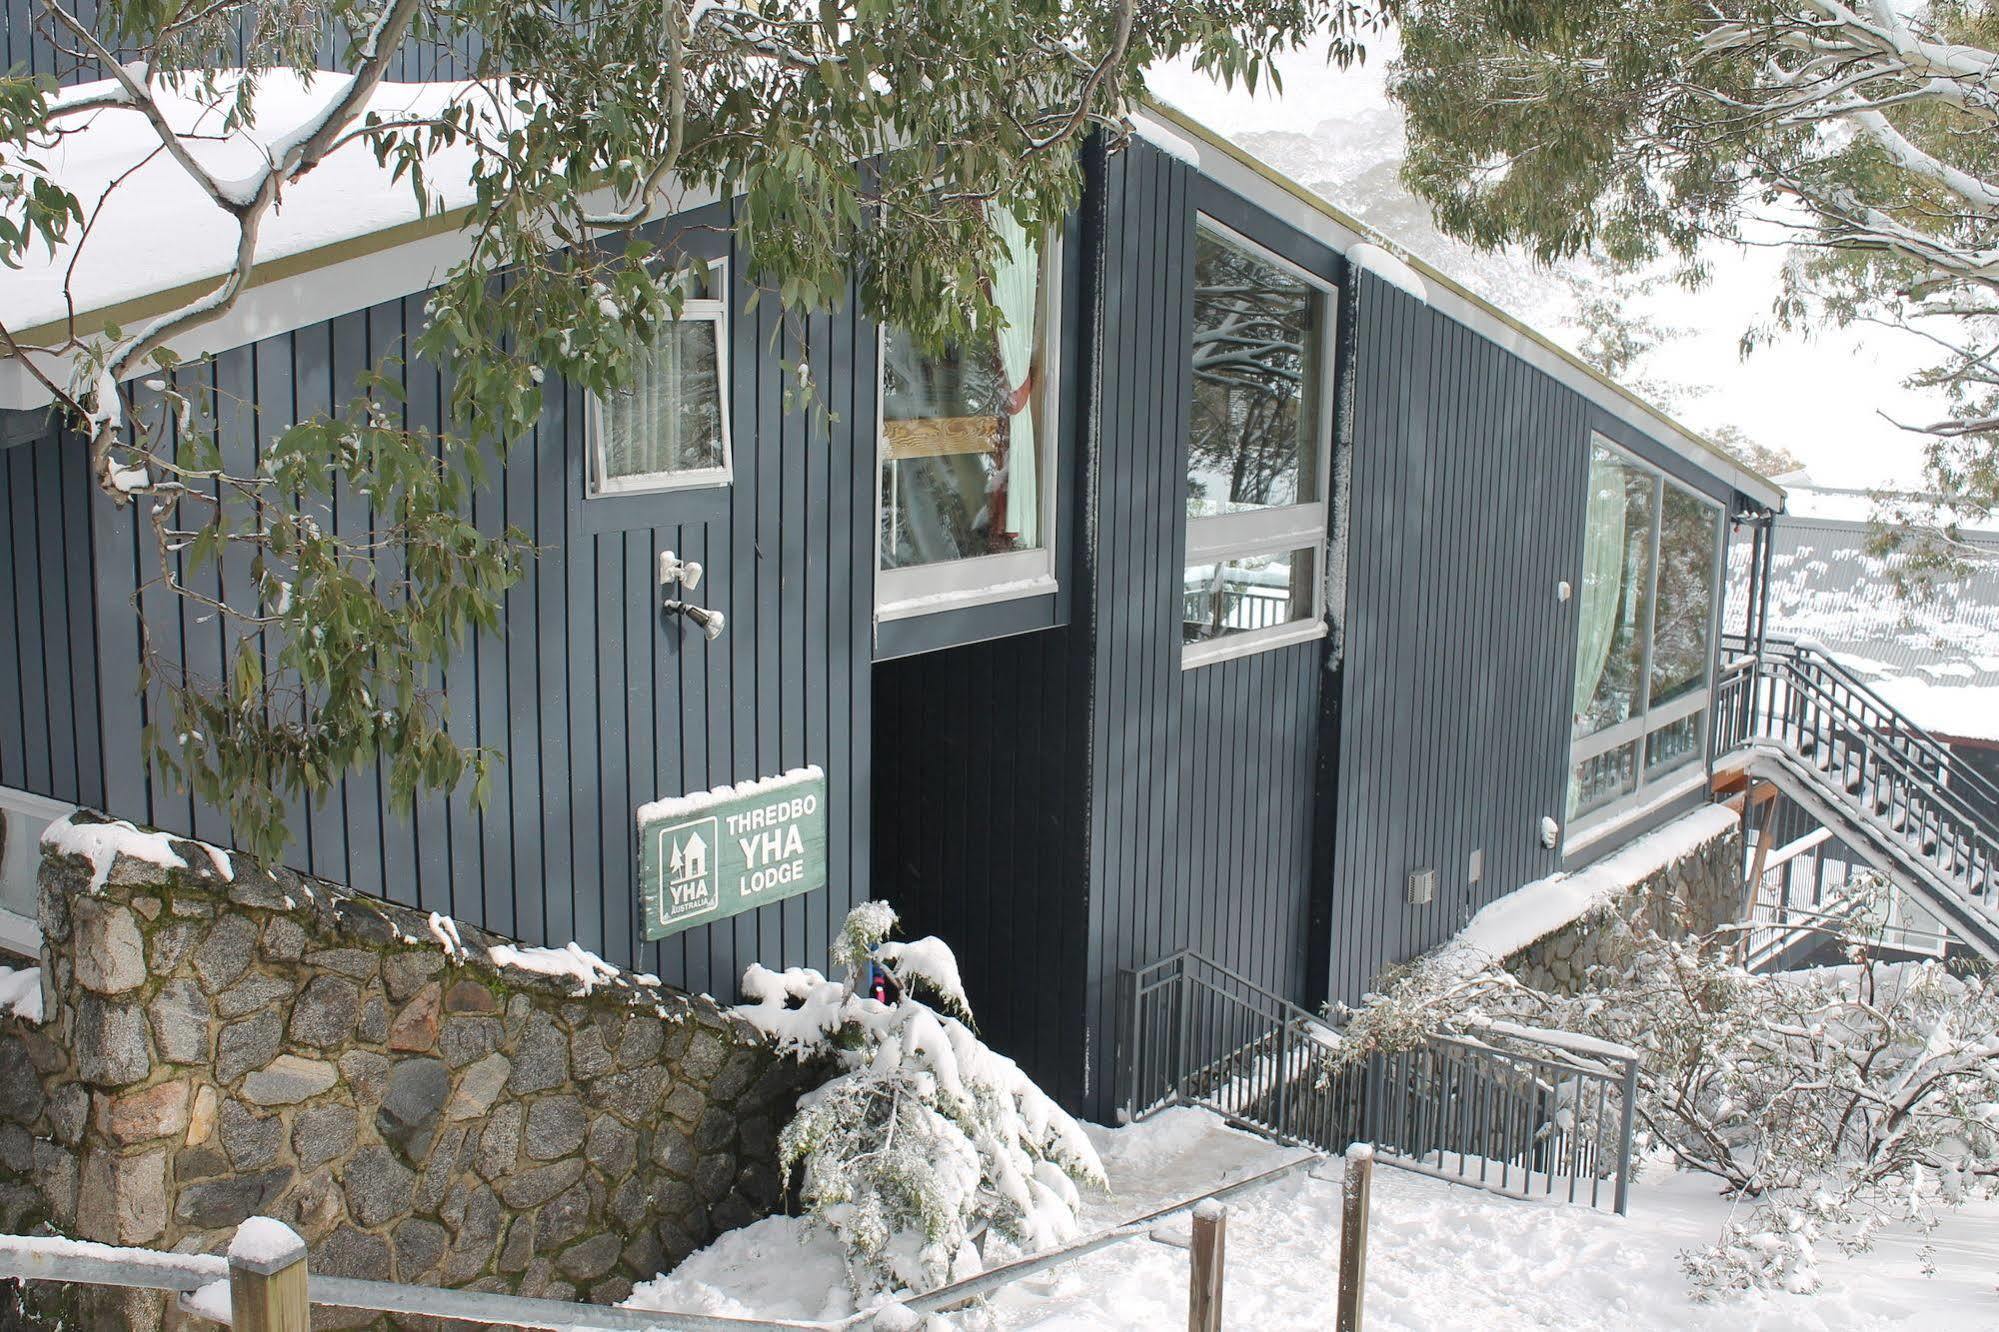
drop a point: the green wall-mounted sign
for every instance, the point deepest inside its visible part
(715, 854)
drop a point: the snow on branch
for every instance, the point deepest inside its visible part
(925, 1136)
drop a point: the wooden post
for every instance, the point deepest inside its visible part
(1204, 1268)
(1355, 1187)
(267, 1279)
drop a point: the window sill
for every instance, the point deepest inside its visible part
(1040, 586)
(1608, 824)
(1195, 655)
(662, 483)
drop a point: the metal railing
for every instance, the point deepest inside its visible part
(1921, 803)
(201, 1282)
(1235, 606)
(1510, 1109)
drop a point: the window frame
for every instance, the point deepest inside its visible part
(983, 580)
(1666, 782)
(713, 311)
(1213, 538)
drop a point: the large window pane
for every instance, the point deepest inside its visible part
(1688, 531)
(669, 418)
(1258, 329)
(1617, 583)
(1246, 593)
(961, 444)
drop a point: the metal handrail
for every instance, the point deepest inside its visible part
(1900, 726)
(1891, 779)
(1192, 1032)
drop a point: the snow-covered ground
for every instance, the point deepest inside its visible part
(1440, 1256)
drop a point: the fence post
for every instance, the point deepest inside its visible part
(267, 1287)
(1625, 1133)
(1204, 1267)
(1356, 1186)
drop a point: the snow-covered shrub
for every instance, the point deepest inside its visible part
(1833, 1100)
(926, 1138)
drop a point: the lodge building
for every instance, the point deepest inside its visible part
(1253, 592)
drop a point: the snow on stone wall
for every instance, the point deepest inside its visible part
(1692, 893)
(218, 1047)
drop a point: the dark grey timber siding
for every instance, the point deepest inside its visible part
(1468, 470)
(980, 757)
(25, 48)
(596, 701)
(48, 625)
(1167, 809)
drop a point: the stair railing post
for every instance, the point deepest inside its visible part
(1184, 1017)
(1283, 1073)
(1627, 1129)
(1126, 1091)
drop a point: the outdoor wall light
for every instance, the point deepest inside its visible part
(673, 569)
(712, 622)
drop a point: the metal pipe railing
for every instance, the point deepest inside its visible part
(1510, 1109)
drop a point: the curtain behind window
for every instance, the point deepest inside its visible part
(1603, 567)
(1015, 285)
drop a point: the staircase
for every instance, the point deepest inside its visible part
(1885, 786)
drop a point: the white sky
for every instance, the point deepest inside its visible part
(1822, 399)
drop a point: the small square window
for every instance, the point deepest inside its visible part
(669, 427)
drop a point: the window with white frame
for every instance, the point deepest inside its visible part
(1645, 641)
(668, 429)
(967, 449)
(1259, 432)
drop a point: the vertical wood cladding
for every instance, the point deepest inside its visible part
(49, 740)
(1201, 795)
(1468, 475)
(1089, 805)
(596, 702)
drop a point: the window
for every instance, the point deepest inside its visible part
(1646, 633)
(669, 428)
(1259, 428)
(966, 479)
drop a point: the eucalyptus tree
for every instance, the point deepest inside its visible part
(869, 146)
(1864, 136)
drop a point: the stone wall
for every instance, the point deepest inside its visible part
(1690, 895)
(224, 1041)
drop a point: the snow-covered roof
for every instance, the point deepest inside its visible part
(1936, 658)
(1241, 170)
(156, 239)
(152, 228)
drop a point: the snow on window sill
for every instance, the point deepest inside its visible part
(960, 599)
(1243, 645)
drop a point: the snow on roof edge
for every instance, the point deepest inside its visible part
(1390, 268)
(1705, 453)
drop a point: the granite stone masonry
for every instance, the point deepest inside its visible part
(225, 1041)
(1691, 895)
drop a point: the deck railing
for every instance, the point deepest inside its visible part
(1923, 805)
(1510, 1109)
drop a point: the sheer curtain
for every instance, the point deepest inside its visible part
(1015, 284)
(1603, 567)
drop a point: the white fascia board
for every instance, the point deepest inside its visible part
(1322, 221)
(296, 302)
